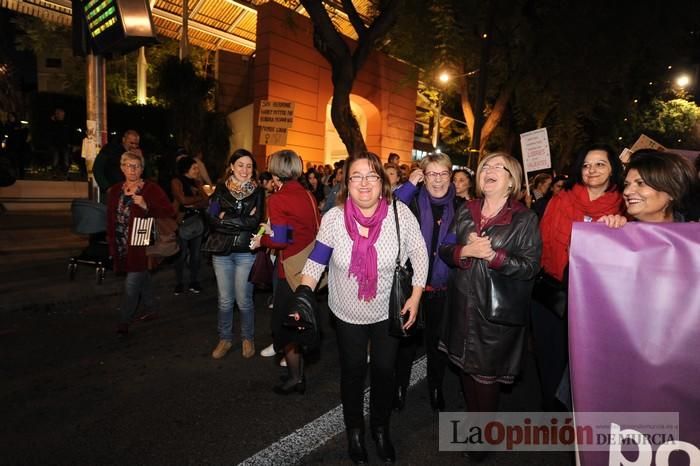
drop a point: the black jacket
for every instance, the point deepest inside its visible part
(474, 344)
(241, 218)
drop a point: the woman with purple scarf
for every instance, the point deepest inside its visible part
(357, 242)
(433, 204)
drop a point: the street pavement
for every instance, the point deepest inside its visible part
(72, 393)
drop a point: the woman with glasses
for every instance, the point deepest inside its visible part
(430, 195)
(593, 193)
(495, 234)
(358, 243)
(126, 201)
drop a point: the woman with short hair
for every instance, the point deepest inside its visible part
(126, 201)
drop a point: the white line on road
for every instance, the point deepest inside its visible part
(292, 448)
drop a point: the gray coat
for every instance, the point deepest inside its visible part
(474, 344)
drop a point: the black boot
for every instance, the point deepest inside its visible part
(399, 398)
(437, 401)
(385, 449)
(356, 446)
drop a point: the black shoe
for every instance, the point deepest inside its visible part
(195, 288)
(385, 449)
(179, 289)
(437, 401)
(356, 446)
(286, 388)
(399, 398)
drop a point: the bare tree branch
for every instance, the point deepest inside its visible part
(355, 19)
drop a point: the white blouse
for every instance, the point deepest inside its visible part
(342, 288)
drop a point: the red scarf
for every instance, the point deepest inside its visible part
(562, 211)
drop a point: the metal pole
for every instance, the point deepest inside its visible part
(141, 77)
(436, 124)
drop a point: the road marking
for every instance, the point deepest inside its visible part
(292, 448)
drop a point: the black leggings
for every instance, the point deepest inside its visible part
(352, 349)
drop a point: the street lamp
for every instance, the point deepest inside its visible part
(682, 81)
(444, 77)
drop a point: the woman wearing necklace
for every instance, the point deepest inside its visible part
(126, 201)
(500, 234)
(236, 210)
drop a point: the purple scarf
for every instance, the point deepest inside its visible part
(363, 262)
(439, 269)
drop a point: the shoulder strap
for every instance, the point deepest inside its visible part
(315, 209)
(398, 233)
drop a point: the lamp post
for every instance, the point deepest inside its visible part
(444, 78)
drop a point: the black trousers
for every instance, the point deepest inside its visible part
(433, 309)
(352, 346)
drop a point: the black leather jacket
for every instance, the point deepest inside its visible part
(241, 218)
(473, 343)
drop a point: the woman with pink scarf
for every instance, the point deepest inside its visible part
(357, 241)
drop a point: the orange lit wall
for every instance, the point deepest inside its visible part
(288, 68)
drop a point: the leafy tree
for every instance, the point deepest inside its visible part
(188, 95)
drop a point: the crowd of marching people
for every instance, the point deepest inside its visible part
(489, 262)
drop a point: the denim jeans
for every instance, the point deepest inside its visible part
(137, 288)
(232, 273)
(189, 249)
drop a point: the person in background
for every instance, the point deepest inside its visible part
(15, 143)
(593, 192)
(188, 199)
(657, 189)
(106, 166)
(317, 188)
(392, 172)
(433, 204)
(540, 205)
(338, 179)
(540, 185)
(236, 210)
(203, 173)
(133, 198)
(464, 186)
(394, 159)
(493, 233)
(60, 142)
(294, 221)
(358, 243)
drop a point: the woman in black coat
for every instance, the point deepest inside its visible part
(488, 235)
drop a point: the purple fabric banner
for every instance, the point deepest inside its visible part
(634, 324)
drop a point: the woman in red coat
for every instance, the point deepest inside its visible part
(133, 198)
(593, 195)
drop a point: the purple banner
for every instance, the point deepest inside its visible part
(634, 327)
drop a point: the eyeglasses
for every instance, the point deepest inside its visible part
(487, 167)
(131, 166)
(435, 175)
(371, 178)
(599, 165)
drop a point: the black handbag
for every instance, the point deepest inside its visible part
(550, 293)
(191, 225)
(261, 271)
(401, 290)
(509, 299)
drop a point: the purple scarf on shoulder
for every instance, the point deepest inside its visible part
(363, 261)
(440, 271)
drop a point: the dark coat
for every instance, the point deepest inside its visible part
(474, 344)
(158, 206)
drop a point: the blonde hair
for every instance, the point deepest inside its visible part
(126, 156)
(514, 169)
(440, 159)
